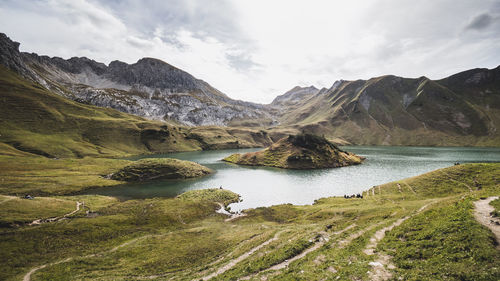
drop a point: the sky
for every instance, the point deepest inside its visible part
(257, 49)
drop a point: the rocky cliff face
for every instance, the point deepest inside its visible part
(150, 88)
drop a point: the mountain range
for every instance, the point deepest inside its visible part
(150, 87)
(463, 109)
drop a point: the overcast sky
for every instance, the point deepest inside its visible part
(256, 49)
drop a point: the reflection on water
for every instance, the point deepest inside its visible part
(264, 186)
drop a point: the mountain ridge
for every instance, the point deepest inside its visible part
(462, 109)
(149, 88)
(406, 111)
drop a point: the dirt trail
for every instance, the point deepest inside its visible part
(459, 182)
(344, 242)
(382, 265)
(482, 212)
(410, 188)
(27, 277)
(233, 262)
(7, 198)
(40, 221)
(324, 238)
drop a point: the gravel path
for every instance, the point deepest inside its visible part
(40, 221)
(27, 277)
(482, 212)
(382, 265)
(233, 262)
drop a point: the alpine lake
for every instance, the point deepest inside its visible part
(265, 186)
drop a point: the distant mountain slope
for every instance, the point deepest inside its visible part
(463, 109)
(294, 96)
(150, 88)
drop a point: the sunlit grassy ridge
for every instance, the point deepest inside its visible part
(185, 239)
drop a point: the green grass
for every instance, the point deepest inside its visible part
(278, 254)
(222, 196)
(184, 238)
(116, 223)
(445, 243)
(43, 176)
(19, 211)
(496, 204)
(16, 210)
(160, 168)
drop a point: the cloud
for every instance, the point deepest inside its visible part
(241, 61)
(479, 22)
(139, 42)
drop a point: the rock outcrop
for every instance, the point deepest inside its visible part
(298, 152)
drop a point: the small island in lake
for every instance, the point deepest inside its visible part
(160, 168)
(304, 151)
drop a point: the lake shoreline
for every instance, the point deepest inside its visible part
(267, 186)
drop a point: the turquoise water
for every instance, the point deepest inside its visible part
(264, 186)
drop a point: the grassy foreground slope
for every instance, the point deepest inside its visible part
(434, 236)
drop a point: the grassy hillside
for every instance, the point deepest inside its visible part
(434, 236)
(34, 120)
(463, 109)
(160, 168)
(37, 175)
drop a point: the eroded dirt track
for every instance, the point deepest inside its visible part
(482, 213)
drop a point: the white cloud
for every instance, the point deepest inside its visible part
(255, 50)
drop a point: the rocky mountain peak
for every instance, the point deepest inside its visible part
(295, 95)
(152, 73)
(336, 84)
(73, 65)
(116, 64)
